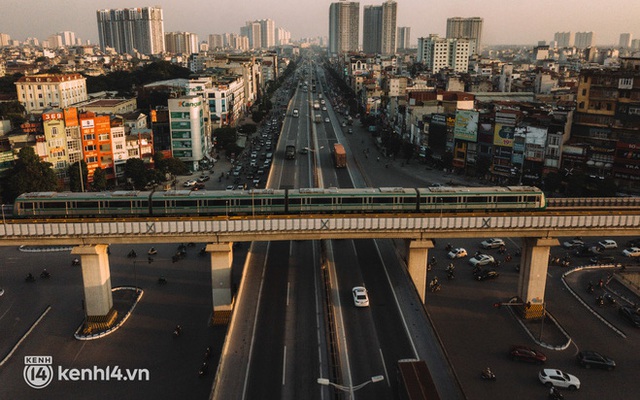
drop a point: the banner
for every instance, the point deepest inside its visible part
(466, 125)
(503, 135)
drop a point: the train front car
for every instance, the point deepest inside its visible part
(86, 204)
(493, 198)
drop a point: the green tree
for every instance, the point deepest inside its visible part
(99, 180)
(136, 173)
(29, 174)
(552, 182)
(75, 183)
(176, 166)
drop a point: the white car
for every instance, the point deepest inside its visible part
(360, 296)
(631, 252)
(555, 377)
(492, 243)
(190, 183)
(608, 244)
(327, 119)
(481, 259)
(457, 253)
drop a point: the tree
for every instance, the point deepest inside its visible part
(99, 180)
(552, 182)
(136, 173)
(176, 166)
(29, 174)
(75, 183)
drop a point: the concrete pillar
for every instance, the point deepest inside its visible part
(221, 260)
(417, 264)
(96, 278)
(533, 274)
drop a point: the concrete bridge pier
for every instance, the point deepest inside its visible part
(96, 278)
(417, 264)
(533, 275)
(221, 260)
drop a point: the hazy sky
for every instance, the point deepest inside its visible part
(505, 21)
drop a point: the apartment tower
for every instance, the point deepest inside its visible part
(344, 23)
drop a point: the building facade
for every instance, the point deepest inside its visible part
(438, 53)
(132, 29)
(181, 42)
(372, 29)
(187, 125)
(404, 38)
(37, 92)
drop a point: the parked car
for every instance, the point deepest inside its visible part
(631, 315)
(492, 243)
(485, 274)
(631, 252)
(555, 377)
(570, 244)
(231, 187)
(204, 178)
(608, 244)
(457, 253)
(524, 353)
(481, 259)
(360, 296)
(590, 359)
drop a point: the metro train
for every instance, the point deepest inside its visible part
(277, 202)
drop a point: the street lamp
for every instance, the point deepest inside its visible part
(350, 389)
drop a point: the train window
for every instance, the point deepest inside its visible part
(507, 199)
(478, 199)
(120, 204)
(245, 202)
(352, 200)
(88, 204)
(53, 205)
(448, 200)
(278, 201)
(408, 200)
(187, 203)
(158, 204)
(382, 200)
(321, 200)
(216, 203)
(532, 199)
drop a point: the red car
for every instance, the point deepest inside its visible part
(524, 353)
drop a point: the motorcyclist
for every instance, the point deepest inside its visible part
(450, 267)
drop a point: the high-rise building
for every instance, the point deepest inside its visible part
(54, 41)
(388, 28)
(4, 39)
(68, 38)
(181, 42)
(437, 53)
(635, 44)
(584, 40)
(283, 36)
(379, 28)
(625, 40)
(216, 41)
(132, 29)
(253, 31)
(372, 29)
(267, 33)
(564, 39)
(344, 23)
(188, 139)
(404, 37)
(466, 28)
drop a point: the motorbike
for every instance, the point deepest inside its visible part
(434, 285)
(203, 251)
(203, 369)
(29, 278)
(554, 394)
(162, 280)
(45, 274)
(450, 275)
(75, 261)
(507, 258)
(487, 374)
(152, 252)
(207, 352)
(178, 331)
(448, 247)
(590, 288)
(609, 299)
(132, 254)
(600, 301)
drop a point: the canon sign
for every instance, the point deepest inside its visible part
(189, 103)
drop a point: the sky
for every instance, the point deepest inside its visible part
(505, 21)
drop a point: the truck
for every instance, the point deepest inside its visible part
(290, 151)
(339, 155)
(415, 381)
(317, 118)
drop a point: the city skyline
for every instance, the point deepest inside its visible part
(502, 18)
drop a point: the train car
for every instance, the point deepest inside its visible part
(86, 204)
(365, 200)
(218, 202)
(497, 198)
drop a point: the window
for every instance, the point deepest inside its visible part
(92, 159)
(103, 137)
(90, 147)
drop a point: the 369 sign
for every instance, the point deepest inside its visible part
(38, 371)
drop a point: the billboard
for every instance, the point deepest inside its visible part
(466, 125)
(503, 135)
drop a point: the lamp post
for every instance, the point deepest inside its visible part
(350, 389)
